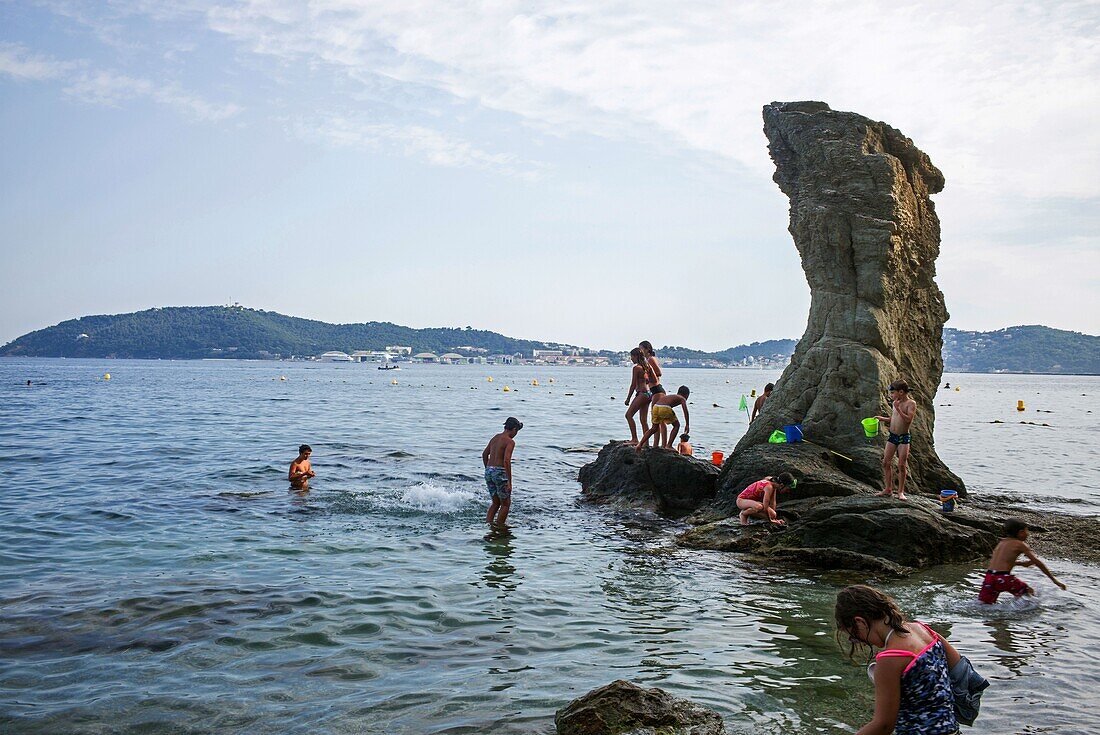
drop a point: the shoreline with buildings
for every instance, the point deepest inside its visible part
(466, 355)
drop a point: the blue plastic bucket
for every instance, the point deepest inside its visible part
(793, 432)
(948, 498)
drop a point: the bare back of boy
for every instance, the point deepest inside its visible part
(1006, 553)
(498, 448)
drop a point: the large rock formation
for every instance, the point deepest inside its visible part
(622, 708)
(655, 479)
(868, 236)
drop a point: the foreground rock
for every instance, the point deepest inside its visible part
(657, 479)
(622, 708)
(873, 534)
(868, 236)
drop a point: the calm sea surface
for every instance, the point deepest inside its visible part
(156, 575)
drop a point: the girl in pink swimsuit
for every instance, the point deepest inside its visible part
(760, 498)
(913, 694)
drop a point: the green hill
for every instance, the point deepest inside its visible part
(1031, 349)
(191, 332)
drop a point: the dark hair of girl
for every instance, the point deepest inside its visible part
(865, 602)
(785, 479)
(646, 347)
(637, 356)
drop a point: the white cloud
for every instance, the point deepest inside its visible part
(1000, 95)
(20, 64)
(417, 141)
(111, 89)
(103, 87)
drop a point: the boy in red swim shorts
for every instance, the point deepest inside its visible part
(999, 577)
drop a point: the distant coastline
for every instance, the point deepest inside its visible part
(238, 333)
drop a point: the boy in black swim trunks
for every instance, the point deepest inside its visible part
(905, 409)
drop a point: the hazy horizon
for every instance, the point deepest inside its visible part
(593, 174)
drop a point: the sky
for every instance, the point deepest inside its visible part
(591, 172)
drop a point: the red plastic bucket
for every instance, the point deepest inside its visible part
(716, 458)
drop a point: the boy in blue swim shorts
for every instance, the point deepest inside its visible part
(497, 459)
(905, 410)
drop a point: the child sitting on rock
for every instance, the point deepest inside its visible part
(684, 447)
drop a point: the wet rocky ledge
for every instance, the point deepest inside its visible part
(833, 521)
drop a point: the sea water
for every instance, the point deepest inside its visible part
(156, 575)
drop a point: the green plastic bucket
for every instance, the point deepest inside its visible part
(777, 437)
(870, 427)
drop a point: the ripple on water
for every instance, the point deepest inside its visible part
(135, 586)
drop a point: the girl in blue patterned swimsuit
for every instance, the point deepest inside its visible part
(912, 687)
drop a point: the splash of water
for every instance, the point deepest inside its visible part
(431, 498)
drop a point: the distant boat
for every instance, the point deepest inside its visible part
(389, 367)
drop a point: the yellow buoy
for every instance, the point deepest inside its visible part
(489, 379)
(753, 394)
(956, 389)
(507, 389)
(106, 376)
(393, 382)
(1020, 406)
(535, 383)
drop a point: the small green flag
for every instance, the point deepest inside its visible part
(744, 404)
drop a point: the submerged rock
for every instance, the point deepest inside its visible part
(874, 534)
(657, 479)
(868, 236)
(622, 708)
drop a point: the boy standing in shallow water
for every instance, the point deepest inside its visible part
(300, 469)
(497, 459)
(999, 577)
(905, 409)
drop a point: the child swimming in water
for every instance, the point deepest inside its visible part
(301, 469)
(913, 691)
(999, 577)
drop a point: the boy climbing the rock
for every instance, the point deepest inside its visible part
(497, 459)
(905, 409)
(663, 414)
(999, 577)
(759, 405)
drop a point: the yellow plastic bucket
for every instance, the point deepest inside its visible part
(870, 427)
